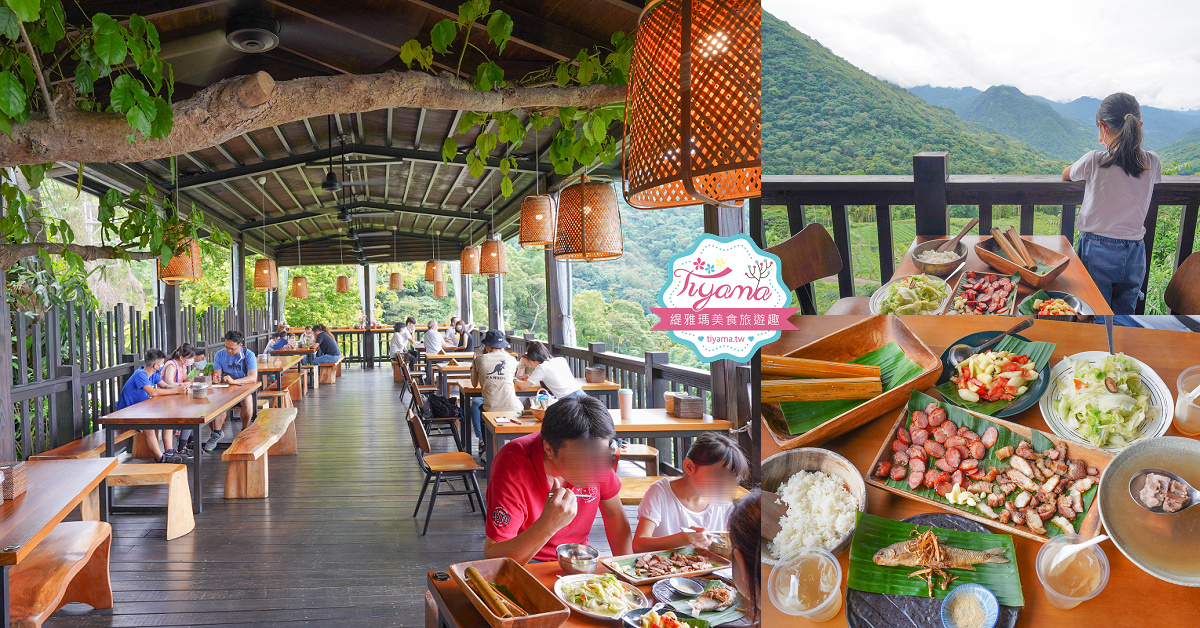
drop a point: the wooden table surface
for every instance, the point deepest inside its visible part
(643, 420)
(54, 488)
(605, 386)
(1074, 278)
(299, 352)
(180, 409)
(1131, 594)
(278, 364)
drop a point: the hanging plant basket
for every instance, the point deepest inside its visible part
(184, 267)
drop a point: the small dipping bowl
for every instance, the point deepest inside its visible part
(777, 585)
(1046, 555)
(1187, 413)
(685, 586)
(940, 270)
(576, 558)
(987, 599)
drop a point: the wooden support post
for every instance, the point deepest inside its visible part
(555, 307)
(495, 302)
(1187, 233)
(237, 277)
(172, 317)
(724, 221)
(929, 192)
(883, 226)
(595, 348)
(8, 436)
(464, 298)
(368, 315)
(841, 237)
(1151, 225)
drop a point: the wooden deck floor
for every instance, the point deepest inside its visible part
(334, 545)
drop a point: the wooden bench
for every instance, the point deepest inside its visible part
(179, 499)
(272, 433)
(330, 371)
(276, 398)
(313, 377)
(90, 446)
(645, 453)
(69, 565)
(293, 382)
(397, 377)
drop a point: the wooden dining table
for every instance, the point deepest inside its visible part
(1132, 596)
(53, 489)
(303, 351)
(274, 367)
(170, 412)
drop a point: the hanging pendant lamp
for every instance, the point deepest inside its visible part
(184, 267)
(395, 282)
(493, 259)
(439, 289)
(589, 222)
(299, 282)
(266, 275)
(537, 213)
(469, 260)
(343, 284)
(692, 115)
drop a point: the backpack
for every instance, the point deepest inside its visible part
(437, 406)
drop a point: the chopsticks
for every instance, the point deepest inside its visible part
(827, 389)
(804, 367)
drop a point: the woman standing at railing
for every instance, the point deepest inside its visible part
(1115, 202)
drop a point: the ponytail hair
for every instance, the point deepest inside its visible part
(185, 350)
(1121, 112)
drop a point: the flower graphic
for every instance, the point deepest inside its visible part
(708, 268)
(698, 264)
(720, 262)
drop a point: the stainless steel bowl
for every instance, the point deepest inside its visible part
(941, 270)
(576, 558)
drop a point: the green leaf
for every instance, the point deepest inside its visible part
(587, 70)
(443, 35)
(6, 126)
(164, 119)
(562, 74)
(486, 143)
(474, 165)
(499, 29)
(504, 167)
(109, 44)
(34, 173)
(410, 51)
(1039, 353)
(12, 94)
(85, 78)
(10, 24)
(27, 10)
(121, 97)
(56, 20)
(506, 187)
(25, 67)
(449, 149)
(488, 76)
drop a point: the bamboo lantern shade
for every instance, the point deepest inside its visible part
(439, 288)
(692, 115)
(395, 282)
(184, 267)
(300, 287)
(589, 222)
(537, 222)
(494, 259)
(343, 283)
(433, 270)
(469, 260)
(266, 275)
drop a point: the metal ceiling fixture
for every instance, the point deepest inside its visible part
(252, 34)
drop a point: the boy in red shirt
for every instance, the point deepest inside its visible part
(572, 461)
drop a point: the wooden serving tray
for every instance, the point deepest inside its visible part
(545, 609)
(1011, 310)
(842, 346)
(1093, 457)
(988, 250)
(719, 562)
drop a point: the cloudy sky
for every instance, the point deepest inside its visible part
(1052, 48)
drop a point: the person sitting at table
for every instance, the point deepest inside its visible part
(186, 438)
(492, 372)
(702, 499)
(309, 336)
(745, 535)
(408, 341)
(235, 365)
(466, 340)
(433, 339)
(280, 341)
(541, 369)
(142, 385)
(572, 460)
(175, 375)
(327, 348)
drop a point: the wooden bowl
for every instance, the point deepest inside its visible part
(545, 609)
(778, 468)
(990, 253)
(940, 270)
(842, 346)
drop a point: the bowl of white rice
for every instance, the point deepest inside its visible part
(823, 493)
(927, 260)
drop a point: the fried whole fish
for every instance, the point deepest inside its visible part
(956, 558)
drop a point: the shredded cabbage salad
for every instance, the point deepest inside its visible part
(917, 294)
(1102, 417)
(602, 595)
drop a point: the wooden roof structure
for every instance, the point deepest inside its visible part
(406, 192)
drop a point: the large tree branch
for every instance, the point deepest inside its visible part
(10, 254)
(239, 105)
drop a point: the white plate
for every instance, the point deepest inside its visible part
(1060, 376)
(877, 298)
(633, 594)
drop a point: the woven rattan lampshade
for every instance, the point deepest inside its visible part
(184, 267)
(266, 276)
(493, 258)
(300, 287)
(433, 270)
(589, 222)
(395, 282)
(692, 128)
(439, 289)
(537, 222)
(469, 260)
(342, 284)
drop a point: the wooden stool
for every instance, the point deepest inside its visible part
(179, 498)
(310, 370)
(647, 454)
(69, 565)
(330, 371)
(276, 398)
(272, 433)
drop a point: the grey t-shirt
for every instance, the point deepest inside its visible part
(1114, 203)
(495, 372)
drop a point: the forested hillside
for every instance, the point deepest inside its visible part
(1009, 111)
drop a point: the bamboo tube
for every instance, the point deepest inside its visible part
(775, 391)
(1019, 244)
(512, 605)
(804, 367)
(1007, 247)
(489, 596)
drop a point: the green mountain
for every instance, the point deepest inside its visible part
(1186, 150)
(957, 98)
(1009, 111)
(822, 115)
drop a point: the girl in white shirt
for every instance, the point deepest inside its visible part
(543, 370)
(700, 500)
(1116, 199)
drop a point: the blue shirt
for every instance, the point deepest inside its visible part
(235, 366)
(133, 390)
(279, 344)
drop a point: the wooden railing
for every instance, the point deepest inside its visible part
(931, 192)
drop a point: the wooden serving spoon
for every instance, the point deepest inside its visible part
(953, 242)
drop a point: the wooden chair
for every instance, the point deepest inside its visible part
(69, 565)
(440, 423)
(645, 453)
(179, 498)
(811, 255)
(1182, 294)
(272, 433)
(411, 378)
(442, 467)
